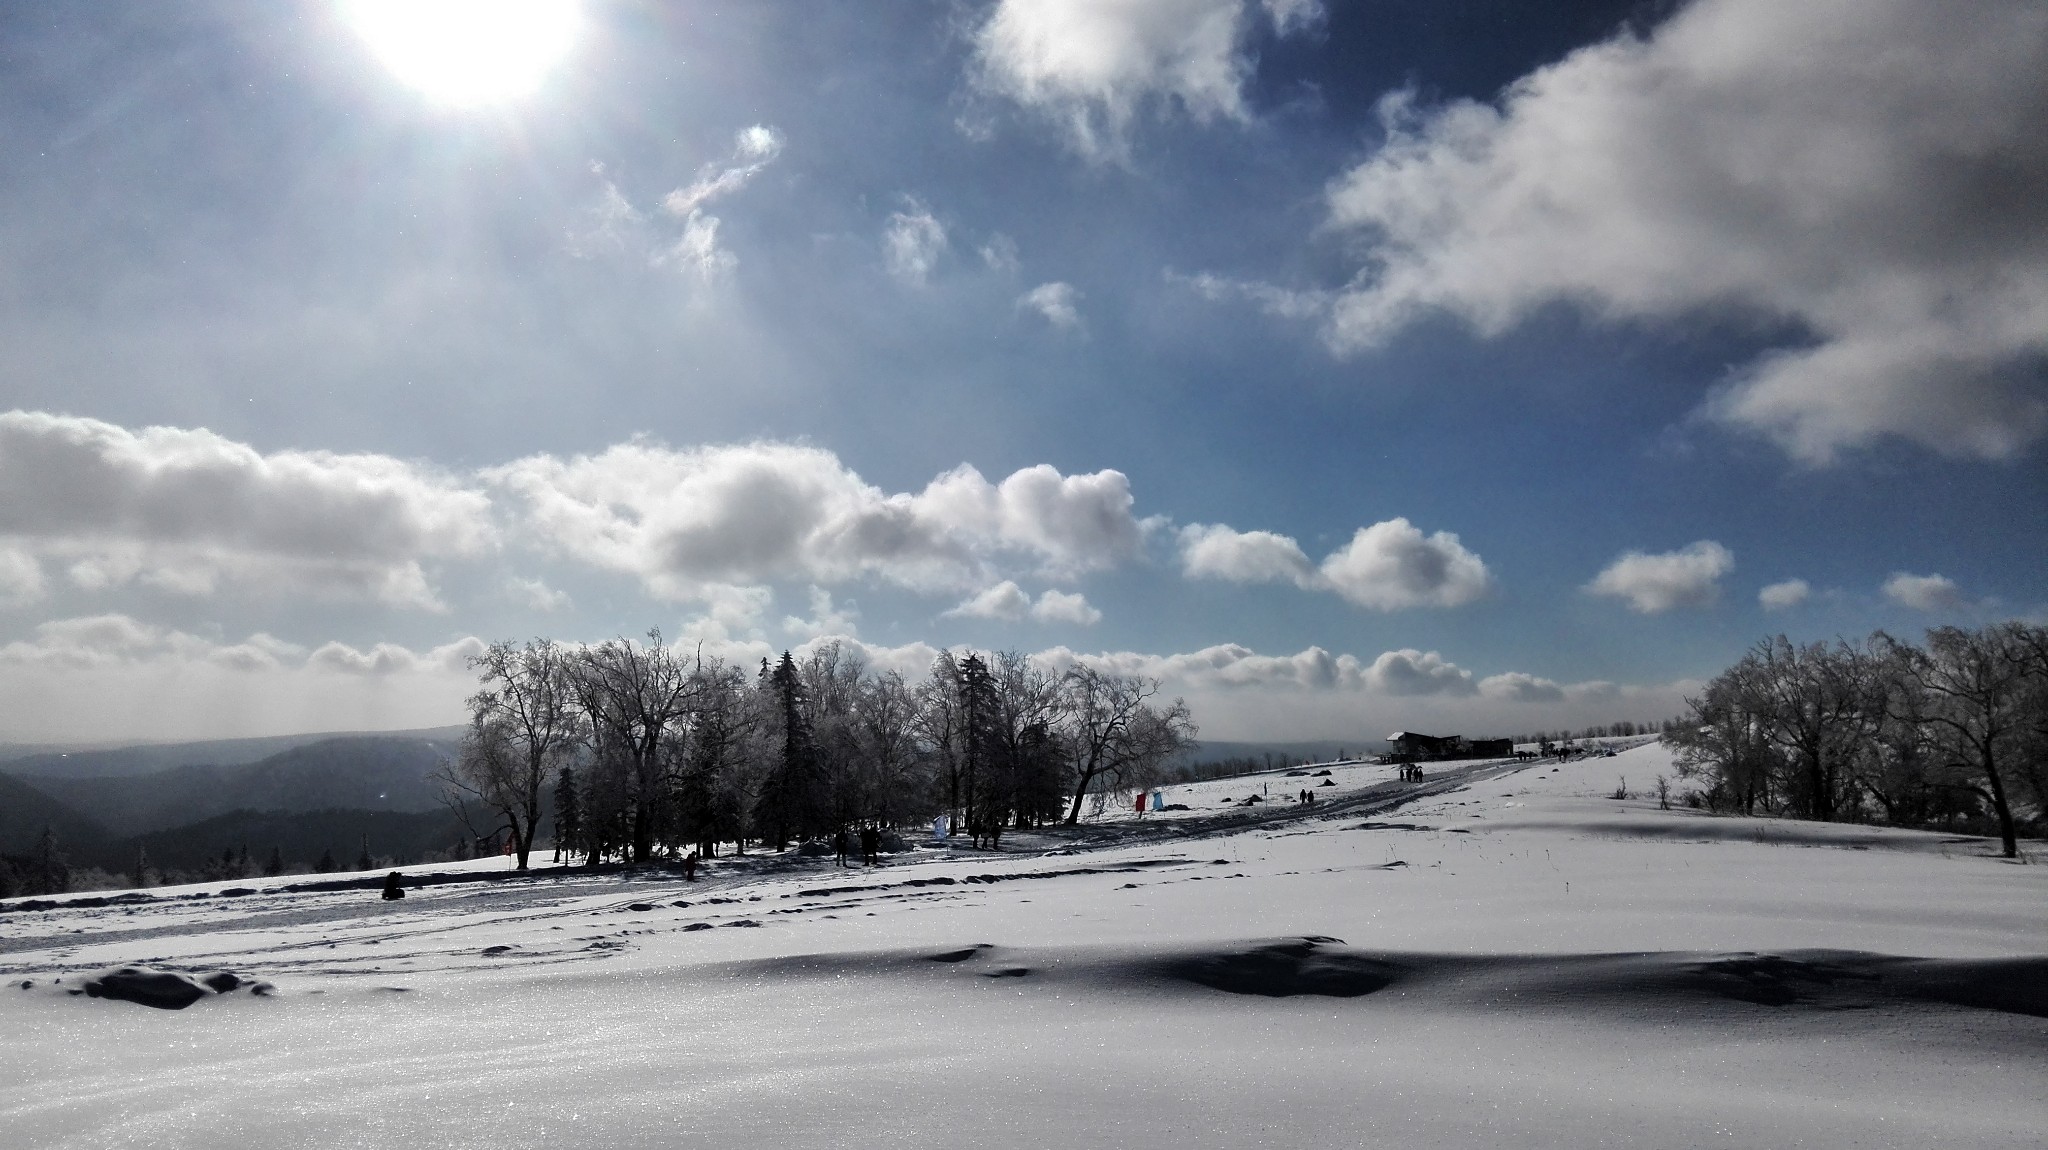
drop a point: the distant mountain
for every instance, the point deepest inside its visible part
(364, 772)
(299, 836)
(25, 810)
(25, 761)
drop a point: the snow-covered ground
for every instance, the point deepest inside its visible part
(1524, 961)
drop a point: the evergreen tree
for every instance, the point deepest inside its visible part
(326, 863)
(141, 875)
(275, 866)
(50, 871)
(568, 813)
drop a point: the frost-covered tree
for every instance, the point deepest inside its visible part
(523, 727)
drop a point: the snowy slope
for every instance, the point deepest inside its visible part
(1523, 961)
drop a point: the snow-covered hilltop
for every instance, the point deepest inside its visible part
(1497, 954)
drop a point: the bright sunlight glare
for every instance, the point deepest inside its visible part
(466, 51)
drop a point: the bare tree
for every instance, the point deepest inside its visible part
(1979, 687)
(1114, 730)
(523, 727)
(637, 699)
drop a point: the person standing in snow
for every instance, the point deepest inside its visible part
(392, 889)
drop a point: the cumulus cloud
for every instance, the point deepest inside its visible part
(1055, 301)
(99, 642)
(535, 594)
(393, 659)
(731, 614)
(1786, 595)
(21, 577)
(1065, 607)
(827, 618)
(1215, 551)
(1412, 672)
(1866, 169)
(1654, 584)
(687, 521)
(1012, 603)
(1521, 687)
(913, 242)
(1393, 565)
(1389, 566)
(1005, 601)
(1923, 592)
(1090, 67)
(188, 511)
(175, 684)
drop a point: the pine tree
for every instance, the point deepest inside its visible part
(568, 813)
(275, 866)
(141, 875)
(326, 863)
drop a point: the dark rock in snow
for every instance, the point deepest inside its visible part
(494, 951)
(163, 989)
(222, 982)
(640, 906)
(238, 892)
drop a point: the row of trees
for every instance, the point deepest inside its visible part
(1952, 732)
(645, 751)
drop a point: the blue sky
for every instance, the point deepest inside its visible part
(1346, 366)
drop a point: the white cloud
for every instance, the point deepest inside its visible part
(1866, 169)
(535, 594)
(689, 521)
(172, 684)
(611, 223)
(1215, 551)
(1090, 66)
(1056, 302)
(1284, 303)
(697, 249)
(1011, 603)
(1786, 595)
(1521, 687)
(732, 614)
(1653, 584)
(1065, 607)
(827, 619)
(753, 149)
(913, 242)
(1389, 566)
(1000, 253)
(1923, 592)
(1412, 672)
(1005, 601)
(188, 510)
(21, 577)
(1392, 565)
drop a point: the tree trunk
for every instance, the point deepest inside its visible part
(2008, 836)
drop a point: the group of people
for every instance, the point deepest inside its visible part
(1411, 772)
(870, 846)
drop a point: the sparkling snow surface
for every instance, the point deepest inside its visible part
(1524, 961)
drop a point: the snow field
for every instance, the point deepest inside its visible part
(1535, 964)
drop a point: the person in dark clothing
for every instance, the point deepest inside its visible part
(870, 846)
(839, 844)
(690, 867)
(392, 889)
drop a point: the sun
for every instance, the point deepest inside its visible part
(466, 52)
